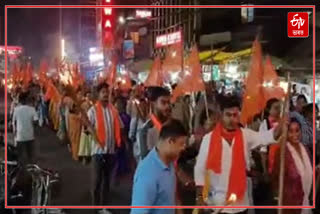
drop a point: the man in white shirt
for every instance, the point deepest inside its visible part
(24, 119)
(224, 158)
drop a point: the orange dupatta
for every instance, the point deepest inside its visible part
(237, 179)
(156, 122)
(101, 130)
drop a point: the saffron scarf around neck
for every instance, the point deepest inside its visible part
(156, 122)
(237, 179)
(101, 129)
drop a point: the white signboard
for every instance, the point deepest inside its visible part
(143, 14)
(168, 39)
(247, 13)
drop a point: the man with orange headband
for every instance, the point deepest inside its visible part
(223, 161)
(161, 112)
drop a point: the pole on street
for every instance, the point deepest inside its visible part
(283, 140)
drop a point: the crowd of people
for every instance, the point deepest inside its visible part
(192, 151)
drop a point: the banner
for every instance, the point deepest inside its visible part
(128, 49)
(304, 89)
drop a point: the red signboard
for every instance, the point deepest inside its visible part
(11, 48)
(168, 39)
(298, 24)
(13, 51)
(107, 23)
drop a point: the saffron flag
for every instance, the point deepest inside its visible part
(271, 84)
(43, 72)
(52, 93)
(253, 100)
(125, 82)
(155, 77)
(192, 80)
(15, 74)
(173, 61)
(75, 76)
(112, 74)
(27, 75)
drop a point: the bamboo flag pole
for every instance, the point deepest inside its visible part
(206, 103)
(283, 141)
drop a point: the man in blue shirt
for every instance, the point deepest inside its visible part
(155, 180)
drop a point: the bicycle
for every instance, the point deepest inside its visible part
(36, 191)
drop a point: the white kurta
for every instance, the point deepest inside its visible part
(219, 182)
(264, 127)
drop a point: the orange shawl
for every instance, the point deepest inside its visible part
(101, 130)
(156, 122)
(272, 156)
(237, 179)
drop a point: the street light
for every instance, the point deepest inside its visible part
(63, 54)
(121, 20)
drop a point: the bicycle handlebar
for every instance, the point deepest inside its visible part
(10, 163)
(34, 167)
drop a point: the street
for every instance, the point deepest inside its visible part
(75, 177)
(74, 189)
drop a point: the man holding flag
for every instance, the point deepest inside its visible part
(224, 158)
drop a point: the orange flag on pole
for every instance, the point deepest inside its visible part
(155, 77)
(112, 76)
(15, 73)
(173, 60)
(271, 84)
(52, 93)
(192, 80)
(125, 82)
(253, 100)
(43, 72)
(27, 75)
(75, 76)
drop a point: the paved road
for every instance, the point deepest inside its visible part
(75, 177)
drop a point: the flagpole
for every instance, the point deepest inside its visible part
(206, 103)
(205, 92)
(282, 142)
(182, 51)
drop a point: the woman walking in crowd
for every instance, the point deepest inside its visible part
(85, 138)
(298, 171)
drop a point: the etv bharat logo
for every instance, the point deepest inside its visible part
(298, 24)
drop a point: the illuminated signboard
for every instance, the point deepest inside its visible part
(13, 51)
(107, 23)
(168, 39)
(143, 14)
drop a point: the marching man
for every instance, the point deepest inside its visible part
(221, 169)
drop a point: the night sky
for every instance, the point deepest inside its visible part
(37, 30)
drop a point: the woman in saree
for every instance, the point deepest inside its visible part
(298, 171)
(85, 138)
(74, 125)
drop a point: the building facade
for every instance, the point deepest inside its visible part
(170, 20)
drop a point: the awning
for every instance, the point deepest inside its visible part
(141, 66)
(221, 56)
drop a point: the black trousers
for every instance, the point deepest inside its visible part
(102, 168)
(25, 152)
